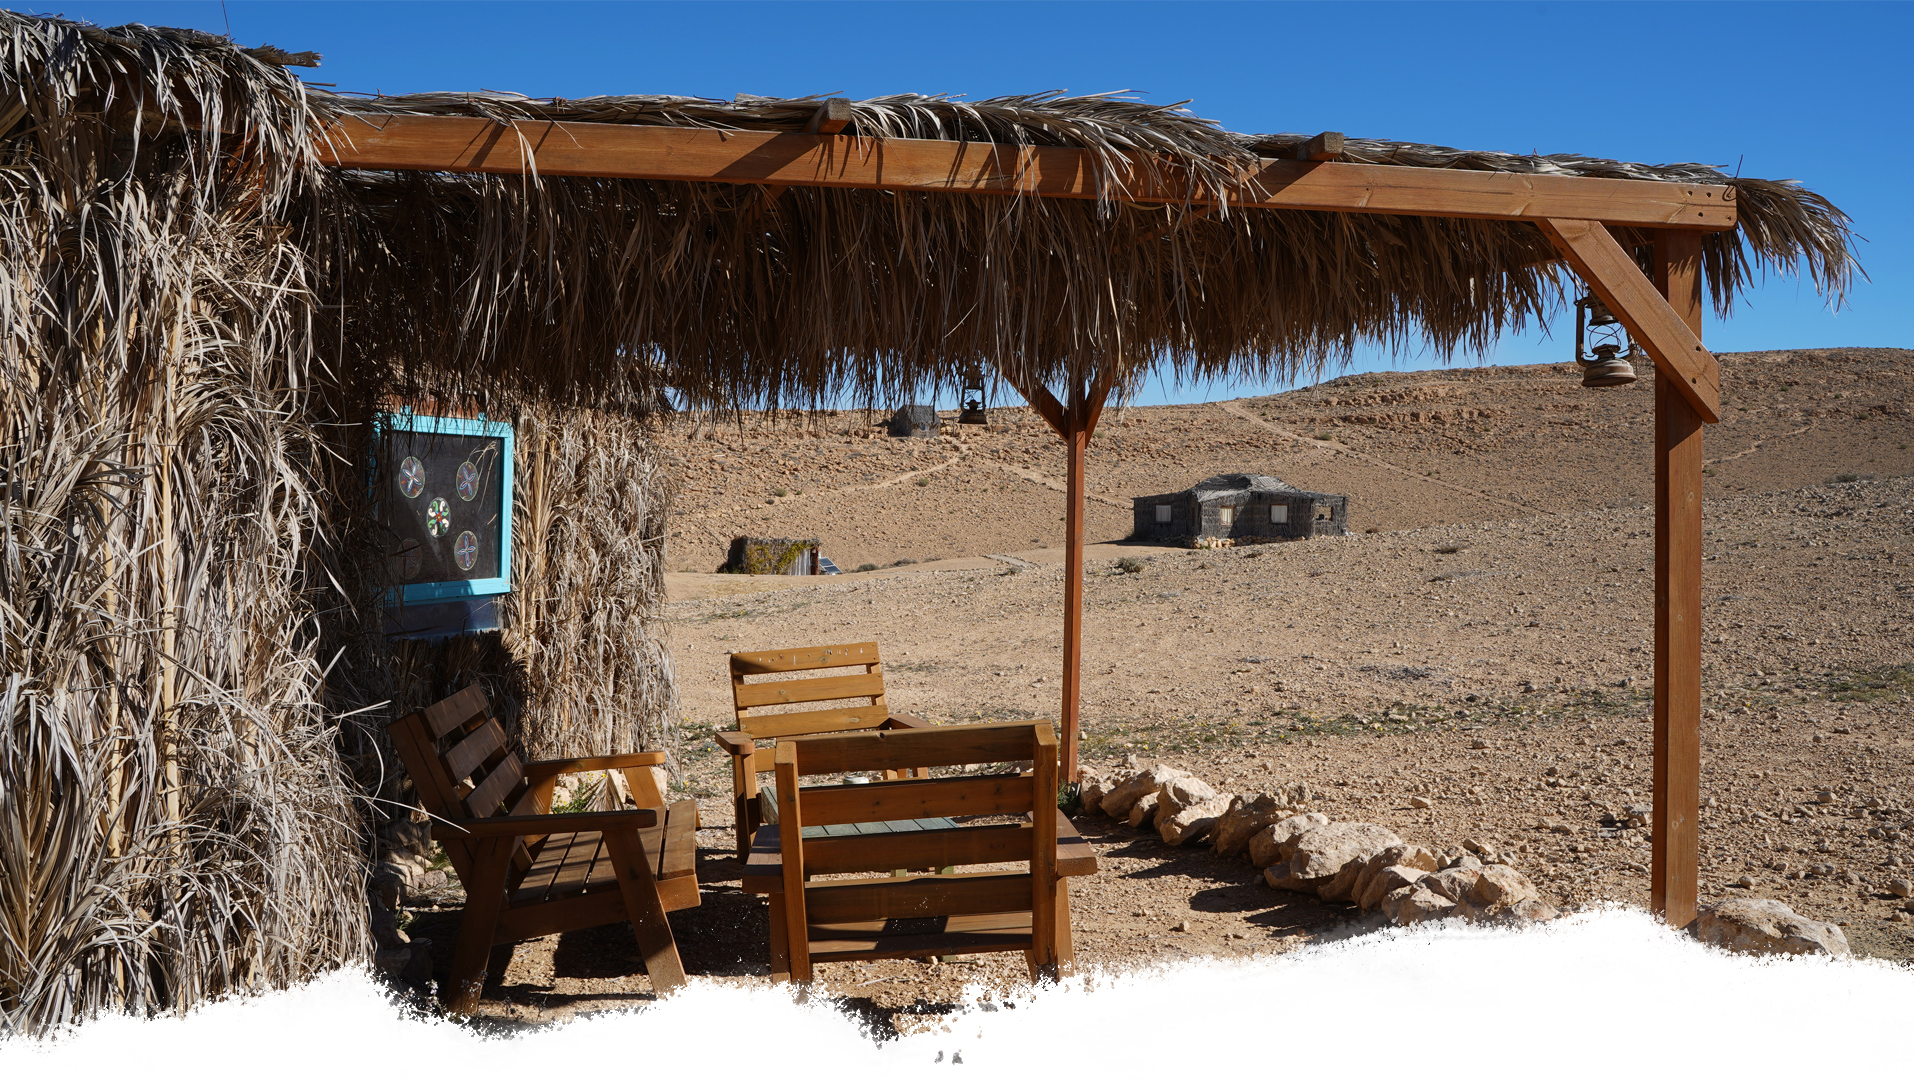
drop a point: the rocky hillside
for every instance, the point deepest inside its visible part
(1411, 449)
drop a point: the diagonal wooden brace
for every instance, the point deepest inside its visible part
(1613, 275)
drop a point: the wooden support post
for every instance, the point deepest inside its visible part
(1075, 423)
(1678, 426)
(1076, 441)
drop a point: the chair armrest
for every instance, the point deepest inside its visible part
(904, 720)
(735, 743)
(544, 824)
(538, 770)
(764, 867)
(1075, 856)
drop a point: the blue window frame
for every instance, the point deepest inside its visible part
(434, 592)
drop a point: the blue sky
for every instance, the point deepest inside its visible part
(1808, 92)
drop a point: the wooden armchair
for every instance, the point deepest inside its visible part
(528, 872)
(871, 917)
(856, 704)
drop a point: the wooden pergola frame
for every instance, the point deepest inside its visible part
(1664, 314)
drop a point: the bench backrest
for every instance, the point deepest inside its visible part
(1032, 842)
(856, 698)
(462, 764)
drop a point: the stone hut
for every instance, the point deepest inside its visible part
(767, 555)
(915, 422)
(1239, 508)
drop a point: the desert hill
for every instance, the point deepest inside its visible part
(1411, 449)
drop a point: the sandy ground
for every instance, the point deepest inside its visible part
(1485, 648)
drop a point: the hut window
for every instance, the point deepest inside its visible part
(1162, 513)
(1323, 512)
(1279, 513)
(1226, 515)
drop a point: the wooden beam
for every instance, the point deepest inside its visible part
(469, 144)
(1611, 272)
(1675, 862)
(831, 117)
(1324, 147)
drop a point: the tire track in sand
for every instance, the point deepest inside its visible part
(1241, 413)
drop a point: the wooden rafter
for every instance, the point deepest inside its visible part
(1612, 273)
(468, 144)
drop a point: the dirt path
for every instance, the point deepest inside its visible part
(1237, 410)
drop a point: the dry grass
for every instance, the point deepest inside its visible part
(175, 821)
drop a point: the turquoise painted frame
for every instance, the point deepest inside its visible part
(435, 592)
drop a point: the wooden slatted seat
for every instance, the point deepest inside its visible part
(528, 872)
(828, 901)
(850, 702)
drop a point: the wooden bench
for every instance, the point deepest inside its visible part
(528, 872)
(856, 703)
(857, 914)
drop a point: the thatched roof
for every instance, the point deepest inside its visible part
(606, 288)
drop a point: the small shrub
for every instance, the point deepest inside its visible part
(1847, 478)
(583, 798)
(1130, 564)
(779, 492)
(1070, 799)
(1451, 549)
(923, 481)
(903, 562)
(866, 568)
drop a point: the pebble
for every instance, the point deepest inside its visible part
(1900, 887)
(1746, 881)
(1418, 802)
(1824, 797)
(1479, 744)
(1182, 927)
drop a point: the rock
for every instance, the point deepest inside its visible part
(1414, 904)
(1824, 797)
(1244, 818)
(387, 885)
(418, 971)
(385, 931)
(1453, 884)
(392, 963)
(1385, 881)
(1189, 823)
(1534, 911)
(1180, 792)
(1406, 855)
(1321, 854)
(1638, 815)
(1090, 794)
(1276, 842)
(1478, 744)
(1481, 848)
(1418, 802)
(1143, 811)
(1900, 886)
(1499, 888)
(1182, 927)
(1118, 800)
(1745, 881)
(433, 879)
(1766, 927)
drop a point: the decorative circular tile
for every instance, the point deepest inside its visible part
(438, 517)
(465, 550)
(468, 481)
(411, 477)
